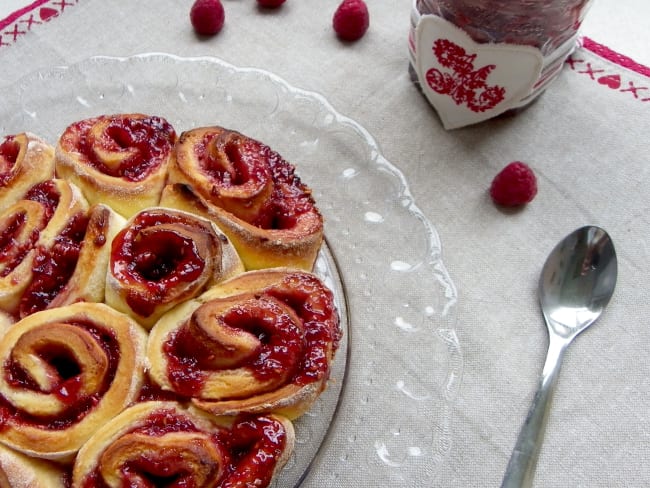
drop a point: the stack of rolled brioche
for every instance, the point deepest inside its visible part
(159, 321)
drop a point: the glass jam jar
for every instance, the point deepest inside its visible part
(550, 26)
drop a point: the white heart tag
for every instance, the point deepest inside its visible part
(467, 82)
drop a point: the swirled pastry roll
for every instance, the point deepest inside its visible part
(50, 214)
(66, 372)
(260, 342)
(20, 471)
(25, 160)
(170, 443)
(251, 193)
(83, 256)
(120, 160)
(163, 257)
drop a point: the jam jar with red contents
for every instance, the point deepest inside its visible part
(550, 26)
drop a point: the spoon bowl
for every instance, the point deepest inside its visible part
(576, 283)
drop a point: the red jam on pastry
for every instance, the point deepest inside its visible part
(51, 214)
(163, 257)
(120, 160)
(65, 372)
(159, 323)
(53, 250)
(74, 268)
(25, 160)
(252, 194)
(169, 443)
(260, 342)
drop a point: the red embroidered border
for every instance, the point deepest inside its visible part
(614, 57)
(40, 11)
(23, 20)
(20, 12)
(619, 81)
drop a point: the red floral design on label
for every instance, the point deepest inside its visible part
(468, 82)
(464, 84)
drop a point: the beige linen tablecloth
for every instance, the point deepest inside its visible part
(587, 140)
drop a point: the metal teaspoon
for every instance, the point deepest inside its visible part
(576, 283)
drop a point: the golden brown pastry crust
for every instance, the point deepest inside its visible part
(28, 160)
(252, 212)
(113, 163)
(88, 282)
(29, 226)
(77, 366)
(166, 239)
(260, 342)
(251, 193)
(197, 447)
(20, 471)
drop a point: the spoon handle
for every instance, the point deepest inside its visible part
(521, 467)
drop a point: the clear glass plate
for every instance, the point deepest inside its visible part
(386, 418)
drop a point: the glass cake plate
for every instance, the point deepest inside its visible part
(387, 414)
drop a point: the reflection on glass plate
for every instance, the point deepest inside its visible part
(386, 418)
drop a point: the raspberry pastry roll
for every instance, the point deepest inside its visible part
(20, 471)
(167, 442)
(163, 257)
(73, 268)
(120, 160)
(25, 160)
(66, 372)
(260, 342)
(252, 194)
(49, 213)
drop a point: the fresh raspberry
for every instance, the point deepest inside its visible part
(270, 3)
(207, 16)
(515, 185)
(351, 20)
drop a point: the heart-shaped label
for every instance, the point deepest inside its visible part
(467, 82)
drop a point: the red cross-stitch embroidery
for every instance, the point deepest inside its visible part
(633, 89)
(464, 84)
(24, 20)
(607, 78)
(613, 81)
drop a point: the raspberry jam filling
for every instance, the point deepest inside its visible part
(301, 356)
(275, 356)
(249, 162)
(144, 142)
(9, 150)
(159, 260)
(47, 194)
(152, 392)
(67, 386)
(290, 198)
(230, 163)
(14, 249)
(256, 443)
(248, 453)
(314, 303)
(53, 267)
